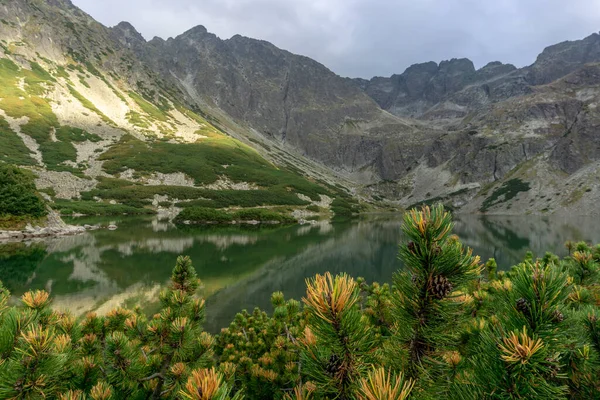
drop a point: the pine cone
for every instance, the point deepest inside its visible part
(523, 306)
(440, 287)
(411, 247)
(334, 365)
(557, 316)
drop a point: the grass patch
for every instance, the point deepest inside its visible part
(509, 190)
(206, 128)
(148, 107)
(89, 105)
(61, 72)
(136, 119)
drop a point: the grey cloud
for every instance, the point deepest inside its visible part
(371, 37)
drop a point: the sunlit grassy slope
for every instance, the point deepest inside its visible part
(148, 142)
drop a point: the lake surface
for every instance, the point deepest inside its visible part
(241, 267)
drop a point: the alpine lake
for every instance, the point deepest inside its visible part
(240, 267)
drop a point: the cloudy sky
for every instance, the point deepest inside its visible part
(364, 38)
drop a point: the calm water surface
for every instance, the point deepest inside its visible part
(241, 267)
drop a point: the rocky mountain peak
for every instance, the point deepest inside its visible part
(430, 67)
(128, 35)
(195, 32)
(563, 58)
(457, 65)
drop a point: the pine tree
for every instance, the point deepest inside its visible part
(429, 298)
(175, 338)
(338, 343)
(526, 345)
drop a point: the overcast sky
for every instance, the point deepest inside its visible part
(364, 38)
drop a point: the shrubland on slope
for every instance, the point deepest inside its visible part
(103, 115)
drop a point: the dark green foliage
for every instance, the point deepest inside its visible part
(205, 161)
(262, 350)
(339, 344)
(344, 207)
(426, 309)
(124, 354)
(509, 190)
(202, 215)
(246, 198)
(18, 261)
(529, 333)
(12, 148)
(262, 214)
(67, 207)
(126, 192)
(18, 196)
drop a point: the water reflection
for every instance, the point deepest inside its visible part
(241, 267)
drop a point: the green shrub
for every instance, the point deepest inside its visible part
(261, 214)
(67, 207)
(204, 215)
(205, 161)
(12, 148)
(211, 215)
(344, 207)
(509, 190)
(18, 196)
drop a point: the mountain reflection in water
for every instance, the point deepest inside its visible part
(241, 267)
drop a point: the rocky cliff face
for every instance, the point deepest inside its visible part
(453, 88)
(290, 99)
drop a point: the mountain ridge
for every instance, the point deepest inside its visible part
(437, 132)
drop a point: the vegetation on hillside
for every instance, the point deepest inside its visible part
(19, 200)
(205, 161)
(22, 91)
(448, 327)
(200, 215)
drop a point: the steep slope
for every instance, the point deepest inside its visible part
(94, 123)
(292, 100)
(499, 122)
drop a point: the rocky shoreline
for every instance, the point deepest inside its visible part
(39, 232)
(55, 227)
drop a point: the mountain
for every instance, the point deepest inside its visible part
(97, 124)
(104, 115)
